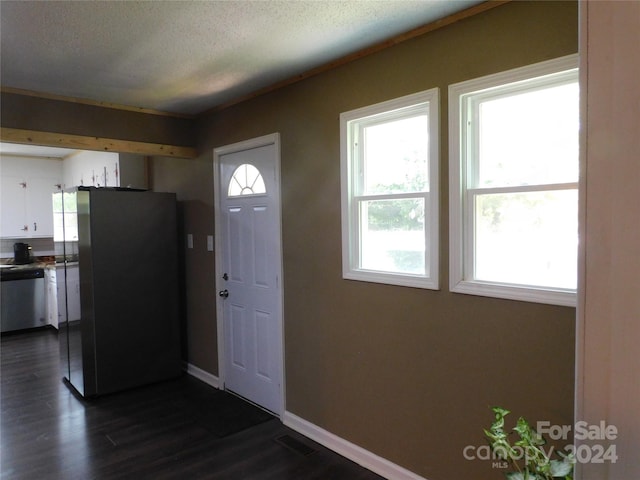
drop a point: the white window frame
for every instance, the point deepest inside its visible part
(427, 101)
(461, 245)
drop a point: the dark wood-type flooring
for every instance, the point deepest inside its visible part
(152, 432)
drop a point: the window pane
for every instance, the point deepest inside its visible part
(246, 180)
(530, 138)
(393, 236)
(527, 238)
(58, 227)
(70, 201)
(396, 156)
(57, 202)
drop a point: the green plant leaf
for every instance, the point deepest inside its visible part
(527, 433)
(567, 457)
(560, 468)
(500, 412)
(515, 476)
(492, 435)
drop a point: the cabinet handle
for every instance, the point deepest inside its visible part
(35, 227)
(25, 228)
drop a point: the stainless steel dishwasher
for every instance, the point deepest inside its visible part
(22, 298)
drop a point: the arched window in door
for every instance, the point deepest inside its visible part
(246, 180)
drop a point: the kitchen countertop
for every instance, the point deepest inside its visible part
(39, 262)
(26, 266)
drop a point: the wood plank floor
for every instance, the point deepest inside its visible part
(47, 432)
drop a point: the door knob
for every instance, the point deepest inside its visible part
(223, 293)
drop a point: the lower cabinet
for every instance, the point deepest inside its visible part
(73, 292)
(68, 299)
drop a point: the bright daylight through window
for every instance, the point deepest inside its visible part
(514, 183)
(246, 180)
(389, 157)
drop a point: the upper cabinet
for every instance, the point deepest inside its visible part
(27, 183)
(25, 196)
(92, 169)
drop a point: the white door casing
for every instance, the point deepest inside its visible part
(249, 270)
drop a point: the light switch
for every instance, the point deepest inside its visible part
(210, 243)
(189, 240)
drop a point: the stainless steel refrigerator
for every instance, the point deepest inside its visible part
(119, 323)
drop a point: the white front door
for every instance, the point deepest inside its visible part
(249, 270)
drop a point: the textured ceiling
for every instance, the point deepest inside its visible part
(189, 56)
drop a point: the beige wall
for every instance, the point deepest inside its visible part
(27, 112)
(193, 182)
(406, 373)
(609, 313)
(133, 170)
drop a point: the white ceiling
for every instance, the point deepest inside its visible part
(189, 56)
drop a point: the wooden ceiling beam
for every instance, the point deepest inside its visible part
(49, 139)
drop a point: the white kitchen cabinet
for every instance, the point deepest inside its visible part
(39, 205)
(13, 206)
(69, 305)
(73, 292)
(60, 293)
(26, 191)
(92, 169)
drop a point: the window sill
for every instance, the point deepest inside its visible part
(391, 279)
(566, 298)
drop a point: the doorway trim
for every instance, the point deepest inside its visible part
(270, 139)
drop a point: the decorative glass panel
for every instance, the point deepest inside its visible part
(246, 180)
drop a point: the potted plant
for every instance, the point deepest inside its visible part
(526, 456)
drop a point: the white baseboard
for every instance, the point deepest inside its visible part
(203, 375)
(343, 447)
(353, 452)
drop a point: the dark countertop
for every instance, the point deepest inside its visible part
(38, 262)
(5, 268)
